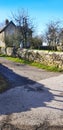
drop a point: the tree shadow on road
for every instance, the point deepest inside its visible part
(24, 94)
(13, 78)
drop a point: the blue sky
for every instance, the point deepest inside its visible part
(40, 11)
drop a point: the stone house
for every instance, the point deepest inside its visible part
(8, 30)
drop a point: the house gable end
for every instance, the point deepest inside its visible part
(10, 23)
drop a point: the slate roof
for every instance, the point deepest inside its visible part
(7, 26)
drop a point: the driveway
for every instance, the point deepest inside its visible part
(35, 101)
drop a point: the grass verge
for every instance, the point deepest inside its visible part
(38, 65)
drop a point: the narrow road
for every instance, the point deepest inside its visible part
(21, 74)
(35, 101)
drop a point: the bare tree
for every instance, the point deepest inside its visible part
(24, 26)
(61, 37)
(52, 34)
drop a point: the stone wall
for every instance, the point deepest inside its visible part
(9, 51)
(2, 50)
(2, 36)
(44, 57)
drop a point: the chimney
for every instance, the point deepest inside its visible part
(6, 21)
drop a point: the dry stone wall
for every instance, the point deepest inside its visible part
(44, 57)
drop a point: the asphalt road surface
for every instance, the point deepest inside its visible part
(21, 74)
(35, 101)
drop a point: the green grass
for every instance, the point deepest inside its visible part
(49, 68)
(2, 55)
(38, 65)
